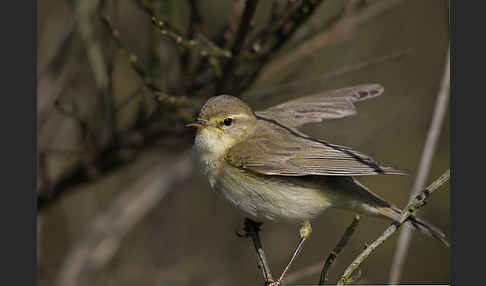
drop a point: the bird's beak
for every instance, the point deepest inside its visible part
(199, 124)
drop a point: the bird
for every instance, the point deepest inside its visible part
(266, 167)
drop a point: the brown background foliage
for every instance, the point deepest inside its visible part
(188, 236)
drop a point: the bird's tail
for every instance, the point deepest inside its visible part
(377, 206)
(428, 229)
(419, 224)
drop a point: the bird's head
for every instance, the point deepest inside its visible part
(223, 121)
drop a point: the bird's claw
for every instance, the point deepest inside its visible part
(251, 226)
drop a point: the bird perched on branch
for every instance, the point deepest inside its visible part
(262, 164)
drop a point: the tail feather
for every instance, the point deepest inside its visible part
(422, 226)
(377, 206)
(428, 229)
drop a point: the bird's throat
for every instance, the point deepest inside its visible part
(210, 146)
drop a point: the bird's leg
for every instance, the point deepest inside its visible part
(305, 232)
(251, 229)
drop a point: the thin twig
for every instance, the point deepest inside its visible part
(252, 228)
(342, 29)
(283, 31)
(147, 86)
(132, 57)
(317, 267)
(309, 270)
(296, 253)
(424, 168)
(170, 32)
(84, 12)
(243, 28)
(416, 203)
(51, 87)
(195, 21)
(203, 50)
(237, 7)
(275, 22)
(335, 252)
(87, 134)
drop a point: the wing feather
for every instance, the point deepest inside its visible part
(275, 149)
(331, 104)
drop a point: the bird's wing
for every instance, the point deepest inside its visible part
(330, 104)
(278, 150)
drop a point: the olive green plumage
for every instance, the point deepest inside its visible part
(267, 168)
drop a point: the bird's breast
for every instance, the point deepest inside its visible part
(208, 153)
(269, 197)
(261, 196)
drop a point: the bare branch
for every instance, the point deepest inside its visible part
(416, 203)
(195, 23)
(252, 228)
(335, 252)
(296, 276)
(317, 267)
(424, 168)
(243, 28)
(282, 31)
(237, 7)
(342, 29)
(168, 31)
(133, 59)
(147, 81)
(84, 12)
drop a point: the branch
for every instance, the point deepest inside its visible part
(110, 160)
(276, 22)
(415, 204)
(335, 252)
(84, 12)
(424, 168)
(87, 134)
(195, 21)
(287, 25)
(283, 31)
(132, 58)
(168, 31)
(317, 267)
(243, 28)
(342, 29)
(251, 229)
(296, 276)
(147, 82)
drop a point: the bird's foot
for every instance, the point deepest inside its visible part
(250, 226)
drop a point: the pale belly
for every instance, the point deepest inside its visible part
(270, 197)
(294, 199)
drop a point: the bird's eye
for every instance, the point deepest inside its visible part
(228, 121)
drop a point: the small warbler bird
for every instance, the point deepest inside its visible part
(262, 164)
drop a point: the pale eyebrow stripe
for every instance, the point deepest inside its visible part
(241, 115)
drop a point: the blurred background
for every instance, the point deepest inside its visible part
(119, 202)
